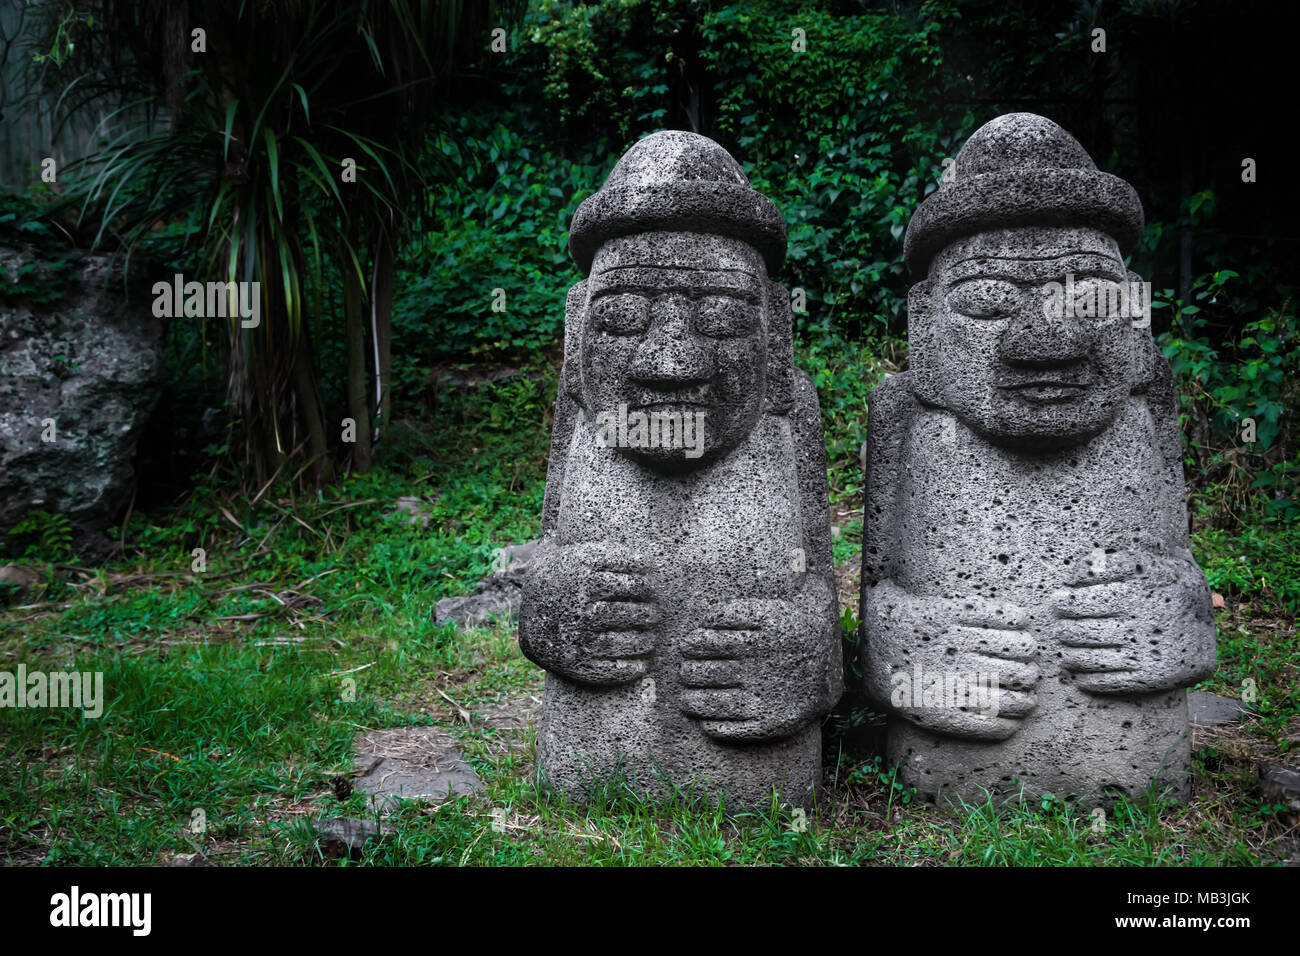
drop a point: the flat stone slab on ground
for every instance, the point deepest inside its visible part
(1210, 710)
(496, 597)
(1282, 784)
(345, 836)
(478, 610)
(412, 763)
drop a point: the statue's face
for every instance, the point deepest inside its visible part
(1004, 355)
(674, 327)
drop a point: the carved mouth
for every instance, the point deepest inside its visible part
(670, 406)
(669, 401)
(1047, 391)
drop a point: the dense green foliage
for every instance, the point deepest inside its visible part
(1237, 395)
(502, 223)
(832, 135)
(844, 115)
(847, 135)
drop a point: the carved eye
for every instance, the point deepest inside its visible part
(1095, 297)
(724, 317)
(623, 314)
(984, 298)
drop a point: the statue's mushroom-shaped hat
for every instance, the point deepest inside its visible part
(677, 181)
(1021, 169)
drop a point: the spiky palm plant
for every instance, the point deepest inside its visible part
(252, 126)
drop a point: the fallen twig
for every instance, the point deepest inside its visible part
(464, 714)
(351, 670)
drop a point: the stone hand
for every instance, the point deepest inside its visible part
(592, 616)
(757, 669)
(950, 639)
(1140, 623)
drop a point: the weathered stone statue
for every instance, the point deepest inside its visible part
(681, 599)
(1032, 614)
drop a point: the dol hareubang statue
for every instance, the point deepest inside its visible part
(1025, 524)
(681, 599)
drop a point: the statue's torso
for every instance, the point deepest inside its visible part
(1010, 526)
(732, 529)
(975, 519)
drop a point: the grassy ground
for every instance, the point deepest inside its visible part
(228, 697)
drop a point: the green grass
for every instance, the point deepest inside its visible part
(227, 689)
(1255, 570)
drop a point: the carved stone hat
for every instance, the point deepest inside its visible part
(677, 181)
(1021, 169)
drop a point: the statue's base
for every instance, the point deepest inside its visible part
(605, 742)
(748, 779)
(1087, 755)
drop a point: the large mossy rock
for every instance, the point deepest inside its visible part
(91, 362)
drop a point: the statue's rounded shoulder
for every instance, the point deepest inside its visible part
(894, 397)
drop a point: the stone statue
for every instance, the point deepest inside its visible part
(1032, 613)
(681, 598)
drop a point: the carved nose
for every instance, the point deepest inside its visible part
(671, 355)
(1035, 338)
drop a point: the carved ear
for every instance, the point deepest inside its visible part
(575, 306)
(921, 343)
(780, 350)
(1147, 357)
